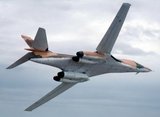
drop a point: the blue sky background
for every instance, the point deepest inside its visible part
(72, 26)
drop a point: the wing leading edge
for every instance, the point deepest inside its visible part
(107, 42)
(55, 92)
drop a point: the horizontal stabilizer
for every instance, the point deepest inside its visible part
(28, 40)
(23, 59)
(38, 44)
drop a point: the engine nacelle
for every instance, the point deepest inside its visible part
(89, 57)
(71, 77)
(96, 54)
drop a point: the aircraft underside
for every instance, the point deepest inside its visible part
(86, 66)
(83, 65)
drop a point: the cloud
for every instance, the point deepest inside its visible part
(126, 49)
(137, 37)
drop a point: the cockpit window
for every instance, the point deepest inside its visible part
(139, 65)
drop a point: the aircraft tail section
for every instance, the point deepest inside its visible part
(23, 59)
(39, 42)
(38, 48)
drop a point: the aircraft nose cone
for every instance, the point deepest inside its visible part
(147, 70)
(144, 69)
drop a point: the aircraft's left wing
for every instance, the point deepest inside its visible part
(55, 92)
(106, 44)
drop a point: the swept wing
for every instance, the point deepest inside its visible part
(55, 92)
(107, 42)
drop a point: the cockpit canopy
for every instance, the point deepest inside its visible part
(139, 65)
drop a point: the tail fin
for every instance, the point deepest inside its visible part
(38, 44)
(40, 41)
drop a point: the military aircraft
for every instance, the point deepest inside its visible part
(85, 64)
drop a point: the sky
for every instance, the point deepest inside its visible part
(72, 26)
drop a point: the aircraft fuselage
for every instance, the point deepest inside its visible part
(89, 64)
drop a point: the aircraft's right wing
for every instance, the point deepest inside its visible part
(106, 44)
(55, 92)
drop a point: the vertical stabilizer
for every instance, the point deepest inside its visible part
(39, 44)
(40, 41)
